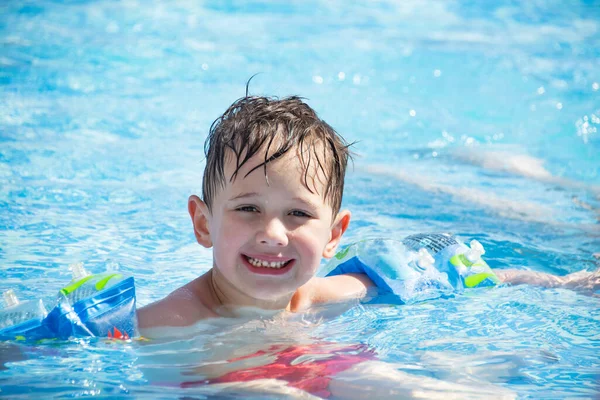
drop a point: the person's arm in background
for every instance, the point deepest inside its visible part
(582, 281)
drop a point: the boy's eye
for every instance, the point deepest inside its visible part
(247, 209)
(299, 213)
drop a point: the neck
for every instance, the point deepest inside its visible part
(230, 300)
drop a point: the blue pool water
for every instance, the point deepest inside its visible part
(477, 119)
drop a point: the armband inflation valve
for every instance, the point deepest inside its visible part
(425, 259)
(78, 271)
(475, 252)
(10, 298)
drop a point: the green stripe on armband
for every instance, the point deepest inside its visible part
(474, 280)
(460, 260)
(74, 286)
(102, 282)
(340, 255)
(98, 286)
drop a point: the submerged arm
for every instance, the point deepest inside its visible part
(583, 281)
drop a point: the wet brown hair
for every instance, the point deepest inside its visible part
(277, 125)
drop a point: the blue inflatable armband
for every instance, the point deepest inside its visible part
(101, 305)
(21, 319)
(464, 265)
(108, 313)
(420, 267)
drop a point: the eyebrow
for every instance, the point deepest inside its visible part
(308, 203)
(244, 195)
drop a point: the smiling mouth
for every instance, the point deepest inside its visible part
(255, 262)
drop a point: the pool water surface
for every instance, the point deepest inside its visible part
(477, 119)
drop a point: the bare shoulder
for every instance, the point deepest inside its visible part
(329, 290)
(184, 306)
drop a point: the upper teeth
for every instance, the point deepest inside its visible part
(268, 264)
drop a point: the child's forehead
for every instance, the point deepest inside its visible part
(298, 164)
(306, 156)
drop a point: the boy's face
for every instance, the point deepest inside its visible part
(269, 239)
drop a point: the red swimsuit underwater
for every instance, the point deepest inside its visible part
(306, 367)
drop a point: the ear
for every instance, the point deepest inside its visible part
(337, 230)
(200, 217)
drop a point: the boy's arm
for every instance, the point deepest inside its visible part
(330, 289)
(583, 280)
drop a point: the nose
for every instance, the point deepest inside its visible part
(273, 233)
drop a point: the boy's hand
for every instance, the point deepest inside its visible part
(583, 281)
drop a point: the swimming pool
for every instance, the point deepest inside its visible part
(477, 120)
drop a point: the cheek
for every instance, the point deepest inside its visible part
(229, 227)
(314, 240)
(226, 237)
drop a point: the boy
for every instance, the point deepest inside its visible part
(272, 192)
